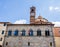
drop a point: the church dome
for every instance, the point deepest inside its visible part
(39, 17)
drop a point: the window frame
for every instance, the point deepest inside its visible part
(9, 32)
(16, 33)
(39, 32)
(31, 32)
(2, 32)
(47, 33)
(23, 33)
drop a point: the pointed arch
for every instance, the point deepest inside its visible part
(47, 33)
(30, 32)
(16, 33)
(9, 32)
(38, 32)
(23, 32)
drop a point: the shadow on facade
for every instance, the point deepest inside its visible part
(0, 45)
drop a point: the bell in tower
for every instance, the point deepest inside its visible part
(32, 11)
(32, 15)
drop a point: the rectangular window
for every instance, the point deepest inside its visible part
(28, 43)
(47, 33)
(2, 31)
(9, 33)
(38, 33)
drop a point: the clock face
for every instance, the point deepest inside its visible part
(32, 14)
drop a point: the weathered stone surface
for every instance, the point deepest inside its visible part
(35, 41)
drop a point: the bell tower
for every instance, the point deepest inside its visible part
(32, 15)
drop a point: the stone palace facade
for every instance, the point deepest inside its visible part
(39, 33)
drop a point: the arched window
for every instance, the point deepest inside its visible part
(16, 33)
(38, 32)
(23, 32)
(30, 32)
(47, 33)
(9, 33)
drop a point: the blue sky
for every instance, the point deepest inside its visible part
(14, 10)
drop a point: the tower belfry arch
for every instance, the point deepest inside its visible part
(32, 14)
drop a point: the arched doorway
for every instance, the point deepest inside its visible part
(0, 45)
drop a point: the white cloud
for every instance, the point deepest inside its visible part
(56, 8)
(20, 21)
(57, 24)
(50, 8)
